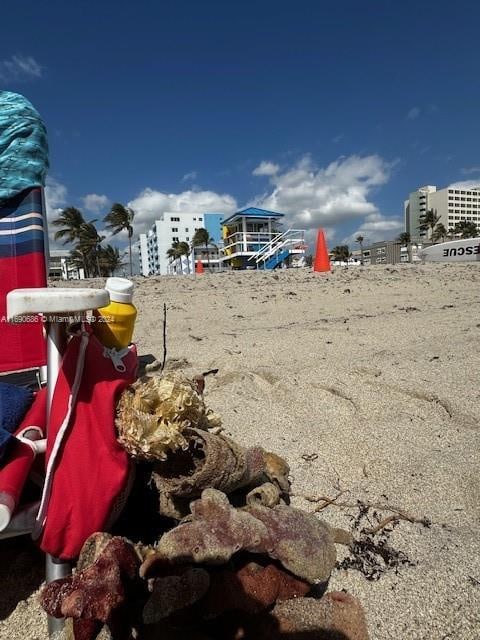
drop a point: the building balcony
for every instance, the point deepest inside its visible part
(246, 244)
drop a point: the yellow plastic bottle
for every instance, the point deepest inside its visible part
(114, 323)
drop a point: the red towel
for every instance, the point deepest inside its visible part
(87, 470)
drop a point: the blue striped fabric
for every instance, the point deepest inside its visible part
(22, 225)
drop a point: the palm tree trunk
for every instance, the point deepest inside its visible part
(130, 251)
(208, 258)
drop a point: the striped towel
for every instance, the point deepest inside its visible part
(22, 265)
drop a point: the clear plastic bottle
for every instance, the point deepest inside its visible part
(114, 323)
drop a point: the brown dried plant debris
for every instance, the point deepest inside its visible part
(209, 461)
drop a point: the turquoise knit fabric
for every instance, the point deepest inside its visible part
(23, 146)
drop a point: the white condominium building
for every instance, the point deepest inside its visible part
(452, 204)
(153, 246)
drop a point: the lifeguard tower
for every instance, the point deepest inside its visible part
(254, 239)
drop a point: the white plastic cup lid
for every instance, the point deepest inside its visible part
(120, 289)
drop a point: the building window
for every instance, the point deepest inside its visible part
(174, 219)
(175, 240)
(174, 229)
(186, 229)
(200, 219)
(187, 239)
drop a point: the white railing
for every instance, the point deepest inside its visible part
(248, 241)
(289, 237)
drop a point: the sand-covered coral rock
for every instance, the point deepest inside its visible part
(214, 533)
(175, 592)
(300, 541)
(153, 413)
(96, 591)
(336, 615)
(208, 461)
(277, 471)
(267, 495)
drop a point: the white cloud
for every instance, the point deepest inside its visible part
(149, 205)
(313, 197)
(19, 68)
(377, 227)
(466, 184)
(55, 201)
(338, 138)
(191, 175)
(266, 169)
(96, 203)
(468, 170)
(414, 113)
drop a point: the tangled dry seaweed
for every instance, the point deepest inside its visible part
(153, 413)
(234, 561)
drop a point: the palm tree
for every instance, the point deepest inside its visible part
(360, 240)
(120, 218)
(341, 253)
(184, 250)
(405, 239)
(71, 219)
(174, 253)
(109, 260)
(88, 244)
(466, 229)
(440, 232)
(202, 238)
(428, 221)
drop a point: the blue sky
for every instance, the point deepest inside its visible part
(329, 112)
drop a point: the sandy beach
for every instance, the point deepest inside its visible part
(366, 381)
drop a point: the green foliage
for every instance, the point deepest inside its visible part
(404, 238)
(341, 252)
(428, 221)
(72, 220)
(202, 238)
(120, 218)
(439, 233)
(109, 260)
(466, 229)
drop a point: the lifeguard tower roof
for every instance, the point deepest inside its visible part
(253, 212)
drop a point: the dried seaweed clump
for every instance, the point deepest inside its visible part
(153, 413)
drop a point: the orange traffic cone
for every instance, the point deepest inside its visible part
(199, 266)
(322, 261)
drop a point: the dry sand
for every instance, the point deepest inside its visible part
(366, 380)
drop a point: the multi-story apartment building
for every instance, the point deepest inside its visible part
(452, 204)
(389, 252)
(174, 227)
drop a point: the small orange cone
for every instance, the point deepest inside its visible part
(199, 266)
(322, 261)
